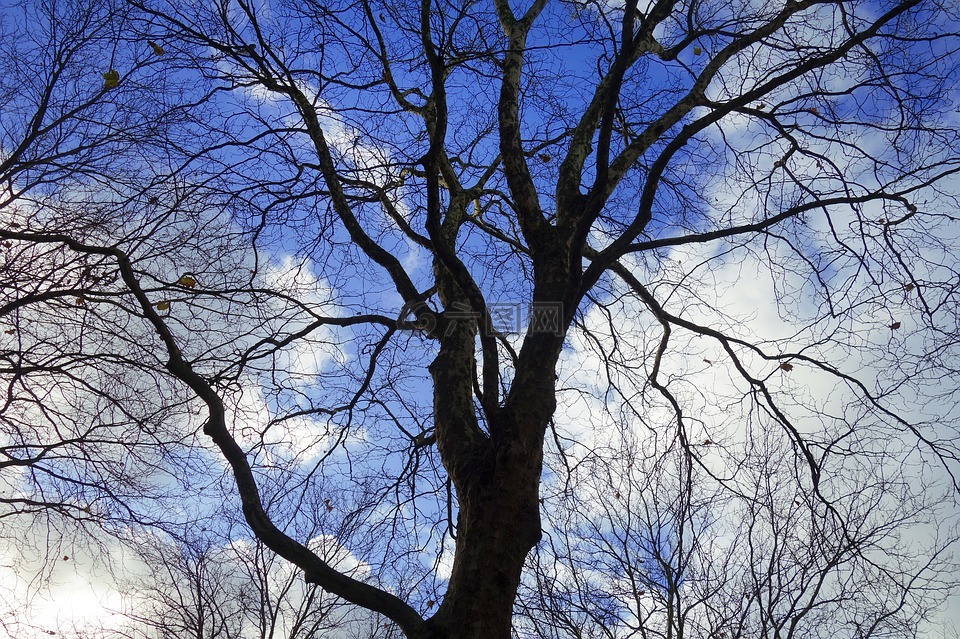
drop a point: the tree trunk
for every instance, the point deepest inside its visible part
(496, 477)
(498, 524)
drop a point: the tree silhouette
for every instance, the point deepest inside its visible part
(385, 260)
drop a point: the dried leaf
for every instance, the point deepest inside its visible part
(545, 157)
(786, 366)
(909, 287)
(111, 79)
(430, 603)
(707, 360)
(162, 306)
(895, 326)
(10, 331)
(697, 51)
(814, 110)
(708, 442)
(187, 281)
(326, 502)
(156, 47)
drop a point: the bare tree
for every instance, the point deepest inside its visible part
(369, 249)
(240, 590)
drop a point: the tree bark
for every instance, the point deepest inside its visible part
(497, 478)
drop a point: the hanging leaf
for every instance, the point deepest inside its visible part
(697, 51)
(814, 110)
(162, 306)
(786, 366)
(187, 281)
(895, 326)
(907, 288)
(430, 603)
(111, 79)
(326, 502)
(156, 47)
(545, 157)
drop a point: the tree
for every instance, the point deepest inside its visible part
(367, 249)
(231, 592)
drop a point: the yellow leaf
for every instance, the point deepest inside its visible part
(156, 47)
(163, 306)
(697, 51)
(111, 79)
(187, 281)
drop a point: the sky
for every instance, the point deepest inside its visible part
(728, 175)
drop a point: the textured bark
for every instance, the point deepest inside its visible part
(496, 475)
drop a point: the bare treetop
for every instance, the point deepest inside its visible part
(646, 312)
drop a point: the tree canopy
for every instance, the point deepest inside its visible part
(552, 318)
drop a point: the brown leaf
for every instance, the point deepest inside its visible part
(111, 79)
(786, 366)
(545, 157)
(909, 287)
(430, 603)
(708, 442)
(326, 502)
(895, 326)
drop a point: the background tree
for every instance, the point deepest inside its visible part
(235, 591)
(378, 245)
